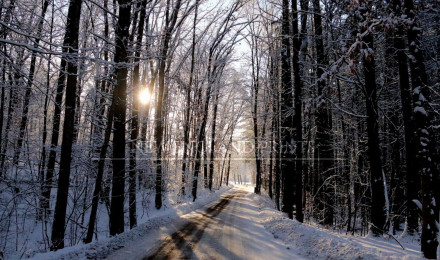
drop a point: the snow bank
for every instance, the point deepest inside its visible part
(315, 243)
(155, 220)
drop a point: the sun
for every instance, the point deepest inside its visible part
(144, 96)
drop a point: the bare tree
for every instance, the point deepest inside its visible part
(119, 105)
(70, 50)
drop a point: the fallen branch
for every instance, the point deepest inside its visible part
(390, 235)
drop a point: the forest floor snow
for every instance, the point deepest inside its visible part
(255, 218)
(151, 225)
(313, 242)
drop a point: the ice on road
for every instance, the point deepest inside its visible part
(227, 229)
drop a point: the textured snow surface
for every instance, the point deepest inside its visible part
(153, 225)
(232, 231)
(256, 217)
(313, 242)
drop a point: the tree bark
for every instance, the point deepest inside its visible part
(188, 103)
(99, 177)
(55, 127)
(412, 183)
(376, 177)
(323, 150)
(119, 105)
(424, 139)
(4, 33)
(42, 164)
(135, 118)
(201, 135)
(214, 124)
(71, 43)
(228, 171)
(287, 150)
(159, 105)
(297, 118)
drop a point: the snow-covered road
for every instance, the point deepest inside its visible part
(234, 224)
(227, 229)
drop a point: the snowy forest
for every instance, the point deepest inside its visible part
(114, 112)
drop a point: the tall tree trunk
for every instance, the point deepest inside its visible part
(277, 146)
(103, 143)
(55, 127)
(297, 118)
(412, 178)
(13, 100)
(201, 140)
(275, 153)
(119, 105)
(205, 163)
(271, 159)
(424, 139)
(135, 118)
(228, 171)
(214, 124)
(376, 176)
(99, 177)
(188, 103)
(2, 105)
(2, 108)
(42, 164)
(324, 150)
(255, 87)
(158, 131)
(71, 43)
(197, 149)
(4, 32)
(287, 160)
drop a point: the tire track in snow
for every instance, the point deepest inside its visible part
(182, 242)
